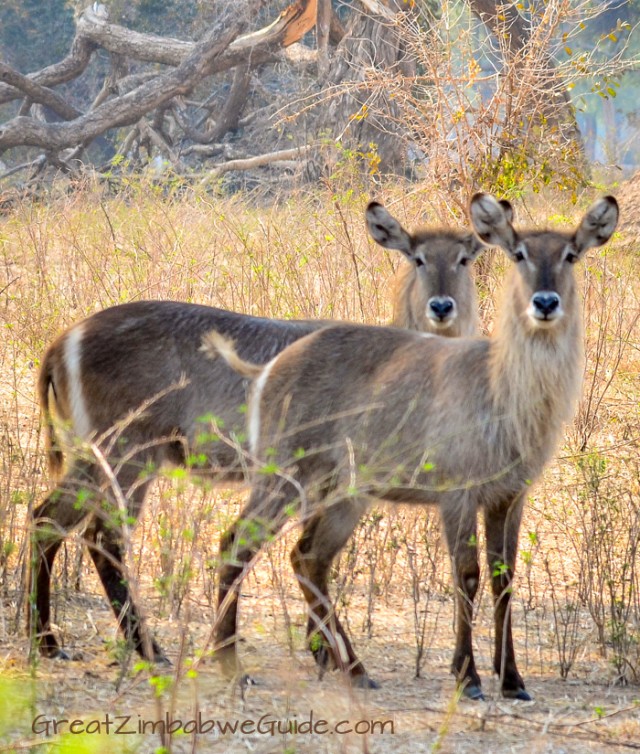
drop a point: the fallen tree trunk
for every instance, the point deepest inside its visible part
(59, 73)
(94, 31)
(255, 162)
(123, 110)
(190, 62)
(38, 93)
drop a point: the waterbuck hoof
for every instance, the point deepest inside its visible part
(474, 692)
(323, 657)
(364, 682)
(162, 660)
(48, 647)
(520, 694)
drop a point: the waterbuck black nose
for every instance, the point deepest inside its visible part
(441, 306)
(545, 302)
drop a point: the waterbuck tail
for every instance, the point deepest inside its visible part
(215, 344)
(46, 390)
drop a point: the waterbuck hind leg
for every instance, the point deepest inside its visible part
(84, 491)
(502, 524)
(104, 540)
(460, 525)
(324, 535)
(62, 511)
(270, 504)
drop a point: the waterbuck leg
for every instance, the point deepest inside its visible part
(105, 547)
(324, 535)
(502, 525)
(271, 501)
(61, 512)
(461, 531)
(104, 538)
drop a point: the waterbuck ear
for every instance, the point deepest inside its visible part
(491, 220)
(597, 225)
(508, 209)
(473, 247)
(386, 230)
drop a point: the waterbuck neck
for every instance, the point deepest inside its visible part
(535, 374)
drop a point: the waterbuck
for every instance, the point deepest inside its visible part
(134, 380)
(354, 412)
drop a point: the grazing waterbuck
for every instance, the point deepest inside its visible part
(134, 380)
(354, 412)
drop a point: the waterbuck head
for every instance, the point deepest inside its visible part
(544, 286)
(438, 289)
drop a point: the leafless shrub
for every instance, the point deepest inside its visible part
(566, 608)
(610, 518)
(612, 314)
(479, 108)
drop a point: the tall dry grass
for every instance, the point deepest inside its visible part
(578, 592)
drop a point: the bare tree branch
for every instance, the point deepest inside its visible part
(37, 93)
(67, 69)
(23, 166)
(235, 103)
(149, 48)
(123, 110)
(160, 142)
(255, 162)
(323, 28)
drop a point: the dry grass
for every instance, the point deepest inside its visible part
(577, 607)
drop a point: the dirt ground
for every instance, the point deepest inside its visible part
(584, 714)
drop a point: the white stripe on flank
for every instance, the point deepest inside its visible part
(72, 355)
(254, 406)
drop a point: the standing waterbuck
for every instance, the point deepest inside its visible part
(354, 412)
(133, 379)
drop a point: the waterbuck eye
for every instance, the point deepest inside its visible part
(571, 257)
(518, 256)
(464, 261)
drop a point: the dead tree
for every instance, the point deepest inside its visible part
(182, 100)
(144, 100)
(367, 116)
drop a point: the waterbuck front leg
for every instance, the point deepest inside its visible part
(324, 535)
(270, 504)
(502, 524)
(460, 525)
(62, 511)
